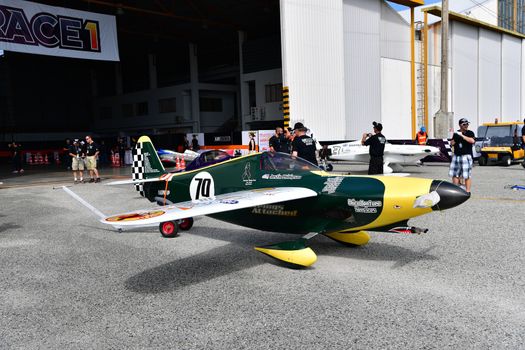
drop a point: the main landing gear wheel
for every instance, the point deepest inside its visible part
(186, 224)
(169, 229)
(507, 161)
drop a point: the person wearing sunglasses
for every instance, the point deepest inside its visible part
(461, 165)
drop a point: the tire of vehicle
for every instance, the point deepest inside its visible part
(482, 161)
(523, 164)
(507, 161)
(329, 167)
(169, 229)
(186, 224)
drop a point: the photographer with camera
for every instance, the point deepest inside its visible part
(461, 165)
(377, 143)
(77, 154)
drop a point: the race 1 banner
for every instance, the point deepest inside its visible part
(57, 31)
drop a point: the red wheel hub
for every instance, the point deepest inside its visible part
(168, 227)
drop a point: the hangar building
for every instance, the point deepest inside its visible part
(217, 66)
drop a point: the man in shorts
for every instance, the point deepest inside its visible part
(76, 153)
(461, 165)
(92, 151)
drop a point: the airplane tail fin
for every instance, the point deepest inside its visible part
(146, 163)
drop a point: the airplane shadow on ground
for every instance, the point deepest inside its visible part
(239, 255)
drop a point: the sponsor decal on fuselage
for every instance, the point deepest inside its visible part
(331, 184)
(273, 210)
(366, 207)
(281, 177)
(247, 175)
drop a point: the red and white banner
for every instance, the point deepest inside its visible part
(57, 31)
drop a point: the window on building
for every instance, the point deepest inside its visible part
(105, 112)
(142, 108)
(167, 105)
(127, 110)
(274, 93)
(210, 104)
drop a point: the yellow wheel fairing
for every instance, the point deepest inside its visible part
(301, 257)
(358, 238)
(398, 201)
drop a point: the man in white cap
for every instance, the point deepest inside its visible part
(461, 165)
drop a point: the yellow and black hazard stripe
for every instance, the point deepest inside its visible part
(286, 106)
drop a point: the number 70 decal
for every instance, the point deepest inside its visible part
(202, 186)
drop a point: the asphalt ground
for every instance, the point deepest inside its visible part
(67, 282)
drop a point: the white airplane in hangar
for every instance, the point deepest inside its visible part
(395, 156)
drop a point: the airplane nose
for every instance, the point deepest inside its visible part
(450, 195)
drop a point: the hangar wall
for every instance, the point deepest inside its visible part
(313, 65)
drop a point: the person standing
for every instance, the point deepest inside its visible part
(287, 141)
(461, 165)
(376, 149)
(303, 146)
(66, 159)
(422, 136)
(76, 153)
(16, 157)
(92, 151)
(277, 141)
(195, 144)
(121, 151)
(252, 147)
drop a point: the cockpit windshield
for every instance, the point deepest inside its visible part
(284, 162)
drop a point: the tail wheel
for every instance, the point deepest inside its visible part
(169, 229)
(186, 224)
(329, 167)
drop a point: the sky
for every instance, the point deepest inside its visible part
(400, 7)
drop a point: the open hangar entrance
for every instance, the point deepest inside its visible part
(185, 66)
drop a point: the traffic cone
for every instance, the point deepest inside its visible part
(46, 159)
(117, 160)
(29, 159)
(182, 163)
(177, 163)
(38, 159)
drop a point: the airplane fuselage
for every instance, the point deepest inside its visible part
(344, 203)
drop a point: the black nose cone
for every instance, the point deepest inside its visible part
(450, 195)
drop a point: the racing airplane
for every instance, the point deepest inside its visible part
(276, 192)
(394, 157)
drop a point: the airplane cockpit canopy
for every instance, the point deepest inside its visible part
(277, 161)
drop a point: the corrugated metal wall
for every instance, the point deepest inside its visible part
(510, 78)
(394, 34)
(489, 76)
(313, 65)
(465, 73)
(362, 64)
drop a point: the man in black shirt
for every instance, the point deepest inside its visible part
(303, 146)
(461, 165)
(277, 141)
(377, 149)
(76, 153)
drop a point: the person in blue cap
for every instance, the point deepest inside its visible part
(422, 136)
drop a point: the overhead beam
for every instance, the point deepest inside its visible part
(161, 14)
(409, 3)
(436, 11)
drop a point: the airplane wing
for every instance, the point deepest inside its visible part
(164, 177)
(221, 203)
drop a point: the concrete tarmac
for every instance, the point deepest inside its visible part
(67, 281)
